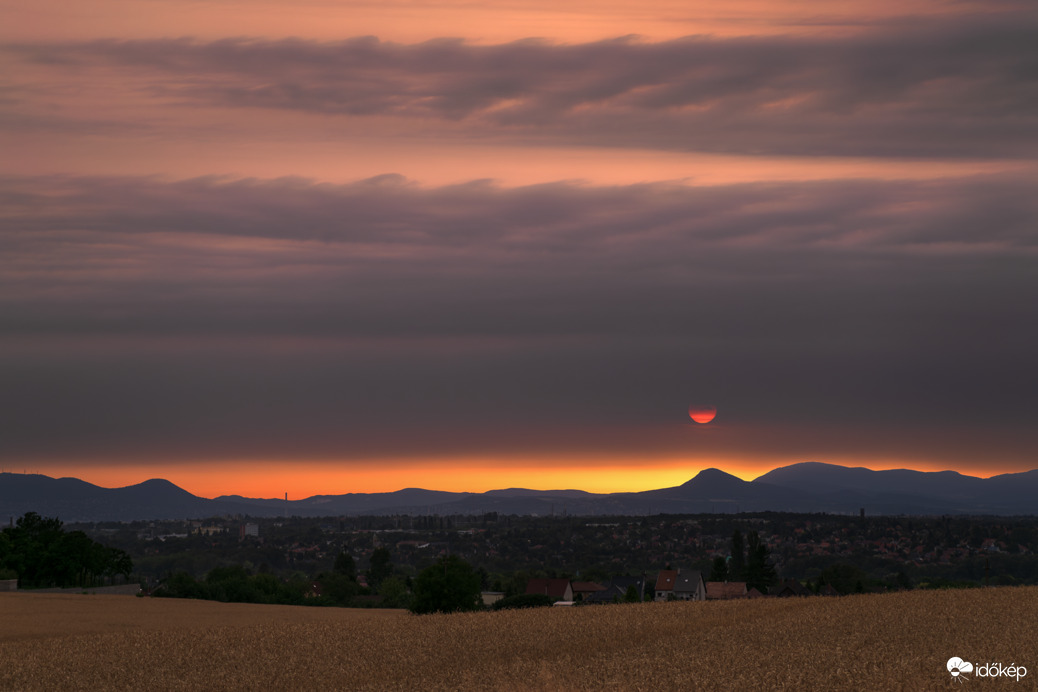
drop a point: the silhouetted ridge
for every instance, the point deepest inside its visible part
(807, 487)
(713, 478)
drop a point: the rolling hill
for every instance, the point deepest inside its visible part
(805, 487)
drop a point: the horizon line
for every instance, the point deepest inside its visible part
(743, 477)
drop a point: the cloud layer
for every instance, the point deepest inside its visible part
(965, 86)
(383, 317)
(853, 281)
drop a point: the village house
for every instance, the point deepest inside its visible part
(725, 590)
(556, 589)
(616, 590)
(689, 586)
(583, 589)
(491, 597)
(790, 588)
(665, 584)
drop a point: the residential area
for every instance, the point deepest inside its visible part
(667, 585)
(844, 553)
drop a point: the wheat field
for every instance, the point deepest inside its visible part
(896, 641)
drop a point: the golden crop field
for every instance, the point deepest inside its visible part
(896, 641)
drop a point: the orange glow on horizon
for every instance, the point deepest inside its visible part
(272, 479)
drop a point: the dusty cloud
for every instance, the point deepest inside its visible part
(843, 262)
(964, 86)
(382, 316)
(566, 258)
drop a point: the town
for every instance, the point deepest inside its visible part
(578, 559)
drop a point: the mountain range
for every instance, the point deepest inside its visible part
(804, 487)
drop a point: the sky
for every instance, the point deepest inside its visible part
(323, 247)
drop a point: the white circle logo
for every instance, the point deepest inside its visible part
(957, 667)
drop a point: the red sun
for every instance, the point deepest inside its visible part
(702, 414)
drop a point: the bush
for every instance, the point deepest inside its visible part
(394, 593)
(449, 586)
(533, 600)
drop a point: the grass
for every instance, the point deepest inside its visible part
(888, 642)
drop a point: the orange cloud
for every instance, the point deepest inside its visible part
(489, 21)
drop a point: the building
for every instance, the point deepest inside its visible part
(725, 590)
(665, 584)
(491, 597)
(790, 588)
(557, 589)
(689, 586)
(583, 589)
(616, 590)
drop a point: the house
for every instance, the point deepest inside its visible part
(583, 589)
(491, 597)
(557, 589)
(665, 584)
(789, 588)
(725, 590)
(689, 586)
(616, 590)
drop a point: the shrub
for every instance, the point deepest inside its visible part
(533, 600)
(449, 586)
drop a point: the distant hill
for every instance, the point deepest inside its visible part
(71, 499)
(805, 487)
(713, 490)
(903, 491)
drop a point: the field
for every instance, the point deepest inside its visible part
(876, 642)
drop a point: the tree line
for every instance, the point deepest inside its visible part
(39, 553)
(749, 561)
(339, 586)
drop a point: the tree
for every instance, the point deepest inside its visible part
(842, 577)
(760, 573)
(345, 565)
(31, 540)
(39, 551)
(737, 567)
(338, 588)
(181, 585)
(449, 586)
(118, 562)
(5, 572)
(231, 583)
(394, 593)
(75, 560)
(719, 570)
(381, 567)
(529, 600)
